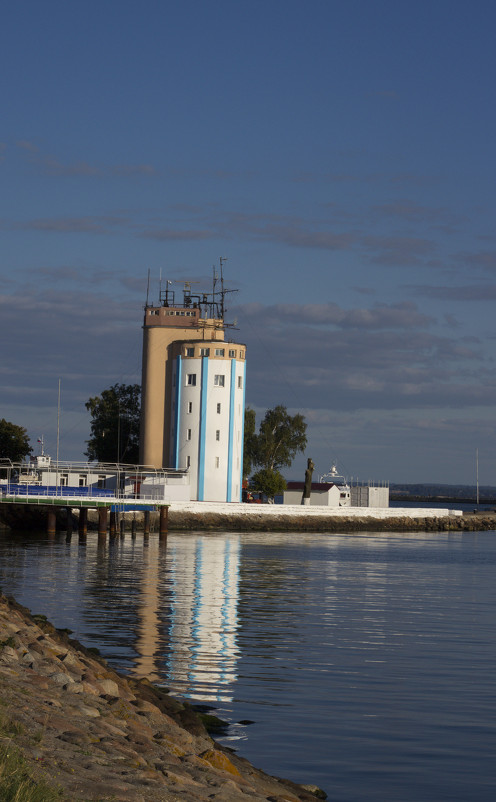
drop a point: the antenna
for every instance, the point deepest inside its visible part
(148, 287)
(222, 259)
(160, 284)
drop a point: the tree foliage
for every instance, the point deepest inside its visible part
(249, 446)
(115, 424)
(269, 482)
(14, 441)
(281, 436)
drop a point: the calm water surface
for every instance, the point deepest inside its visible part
(366, 662)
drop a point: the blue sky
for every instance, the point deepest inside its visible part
(339, 154)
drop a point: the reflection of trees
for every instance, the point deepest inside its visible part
(126, 610)
(111, 595)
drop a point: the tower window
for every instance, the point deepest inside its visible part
(190, 351)
(217, 434)
(204, 351)
(240, 382)
(188, 461)
(241, 354)
(232, 354)
(218, 409)
(188, 434)
(219, 380)
(219, 352)
(217, 462)
(190, 406)
(191, 379)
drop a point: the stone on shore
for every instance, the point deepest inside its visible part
(100, 736)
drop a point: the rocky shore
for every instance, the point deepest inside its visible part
(94, 734)
(182, 520)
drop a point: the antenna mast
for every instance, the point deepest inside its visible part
(222, 259)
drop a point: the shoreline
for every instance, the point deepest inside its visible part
(212, 516)
(72, 723)
(237, 517)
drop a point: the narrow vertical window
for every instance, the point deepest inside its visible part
(188, 461)
(217, 462)
(218, 409)
(188, 434)
(190, 406)
(240, 382)
(217, 434)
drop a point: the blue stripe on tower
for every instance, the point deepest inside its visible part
(230, 446)
(203, 429)
(179, 381)
(242, 431)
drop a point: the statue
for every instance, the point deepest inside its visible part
(307, 490)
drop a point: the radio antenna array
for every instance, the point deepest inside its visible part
(211, 305)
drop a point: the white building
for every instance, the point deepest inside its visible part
(327, 494)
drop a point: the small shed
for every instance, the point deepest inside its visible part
(325, 494)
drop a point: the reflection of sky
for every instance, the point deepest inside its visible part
(203, 578)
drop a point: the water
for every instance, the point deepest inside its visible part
(366, 662)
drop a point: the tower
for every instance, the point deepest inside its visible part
(193, 393)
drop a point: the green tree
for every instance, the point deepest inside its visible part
(14, 441)
(269, 482)
(249, 443)
(115, 424)
(280, 438)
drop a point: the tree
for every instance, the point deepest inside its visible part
(280, 438)
(14, 441)
(115, 424)
(249, 443)
(269, 482)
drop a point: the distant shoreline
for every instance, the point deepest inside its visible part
(439, 499)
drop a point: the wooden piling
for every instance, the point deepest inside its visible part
(69, 520)
(122, 525)
(102, 521)
(51, 521)
(164, 521)
(146, 522)
(83, 521)
(113, 522)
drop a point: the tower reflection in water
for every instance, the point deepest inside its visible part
(188, 616)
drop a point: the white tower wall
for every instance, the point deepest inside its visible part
(208, 419)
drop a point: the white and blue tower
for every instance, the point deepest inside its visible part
(193, 394)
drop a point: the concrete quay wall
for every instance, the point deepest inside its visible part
(210, 516)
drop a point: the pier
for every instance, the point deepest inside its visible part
(107, 506)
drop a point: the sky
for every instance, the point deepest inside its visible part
(340, 154)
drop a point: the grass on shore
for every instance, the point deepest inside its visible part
(16, 781)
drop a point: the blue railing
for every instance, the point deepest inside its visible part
(14, 489)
